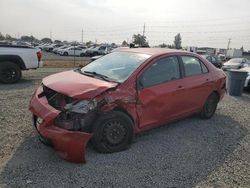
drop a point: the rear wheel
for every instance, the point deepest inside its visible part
(65, 54)
(210, 106)
(81, 55)
(9, 72)
(112, 132)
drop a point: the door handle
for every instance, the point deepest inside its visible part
(180, 87)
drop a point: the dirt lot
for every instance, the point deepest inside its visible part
(189, 153)
(57, 61)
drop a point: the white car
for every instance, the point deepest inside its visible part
(14, 59)
(99, 50)
(72, 51)
(247, 69)
(56, 50)
(234, 63)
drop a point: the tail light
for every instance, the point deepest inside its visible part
(39, 55)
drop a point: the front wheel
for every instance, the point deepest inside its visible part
(112, 132)
(210, 106)
(9, 72)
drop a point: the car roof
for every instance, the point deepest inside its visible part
(151, 51)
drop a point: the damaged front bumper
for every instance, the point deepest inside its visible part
(69, 145)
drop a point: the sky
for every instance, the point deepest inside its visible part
(209, 23)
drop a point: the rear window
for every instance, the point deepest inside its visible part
(193, 66)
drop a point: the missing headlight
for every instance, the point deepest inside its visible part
(81, 107)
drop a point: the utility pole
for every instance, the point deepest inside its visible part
(143, 33)
(82, 36)
(228, 44)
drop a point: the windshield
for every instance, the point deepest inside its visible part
(117, 66)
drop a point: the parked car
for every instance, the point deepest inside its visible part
(56, 50)
(120, 94)
(214, 60)
(247, 69)
(42, 46)
(99, 50)
(72, 51)
(14, 59)
(51, 47)
(235, 63)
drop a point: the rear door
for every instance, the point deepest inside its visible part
(198, 83)
(160, 93)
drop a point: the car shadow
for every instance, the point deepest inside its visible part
(181, 154)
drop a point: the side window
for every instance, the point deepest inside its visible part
(203, 67)
(209, 58)
(161, 71)
(102, 48)
(213, 60)
(192, 65)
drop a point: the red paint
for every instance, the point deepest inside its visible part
(76, 85)
(148, 108)
(69, 145)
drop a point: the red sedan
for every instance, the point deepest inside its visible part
(121, 94)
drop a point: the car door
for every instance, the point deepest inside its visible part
(78, 51)
(71, 51)
(160, 92)
(198, 83)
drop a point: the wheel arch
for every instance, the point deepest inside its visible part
(217, 94)
(120, 109)
(15, 59)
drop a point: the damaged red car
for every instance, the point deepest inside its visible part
(121, 94)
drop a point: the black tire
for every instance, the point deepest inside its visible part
(81, 55)
(44, 140)
(65, 54)
(112, 132)
(9, 72)
(210, 106)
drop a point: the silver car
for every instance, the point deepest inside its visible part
(247, 81)
(235, 63)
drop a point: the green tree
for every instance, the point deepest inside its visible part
(88, 43)
(9, 38)
(46, 40)
(140, 40)
(242, 48)
(163, 45)
(1, 36)
(124, 43)
(177, 41)
(28, 38)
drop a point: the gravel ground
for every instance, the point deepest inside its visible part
(188, 153)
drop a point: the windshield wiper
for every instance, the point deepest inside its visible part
(104, 77)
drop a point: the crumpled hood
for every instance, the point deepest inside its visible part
(76, 85)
